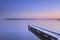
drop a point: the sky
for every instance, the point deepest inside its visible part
(29, 8)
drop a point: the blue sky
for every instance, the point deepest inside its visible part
(29, 8)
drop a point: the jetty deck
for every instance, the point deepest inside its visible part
(43, 33)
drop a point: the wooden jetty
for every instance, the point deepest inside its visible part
(43, 34)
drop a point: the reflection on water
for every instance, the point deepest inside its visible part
(15, 30)
(18, 29)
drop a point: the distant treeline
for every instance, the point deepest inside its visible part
(28, 19)
(18, 19)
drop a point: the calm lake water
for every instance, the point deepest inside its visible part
(18, 29)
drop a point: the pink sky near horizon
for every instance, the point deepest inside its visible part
(32, 15)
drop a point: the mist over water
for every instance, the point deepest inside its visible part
(18, 29)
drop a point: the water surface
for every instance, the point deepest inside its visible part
(18, 29)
